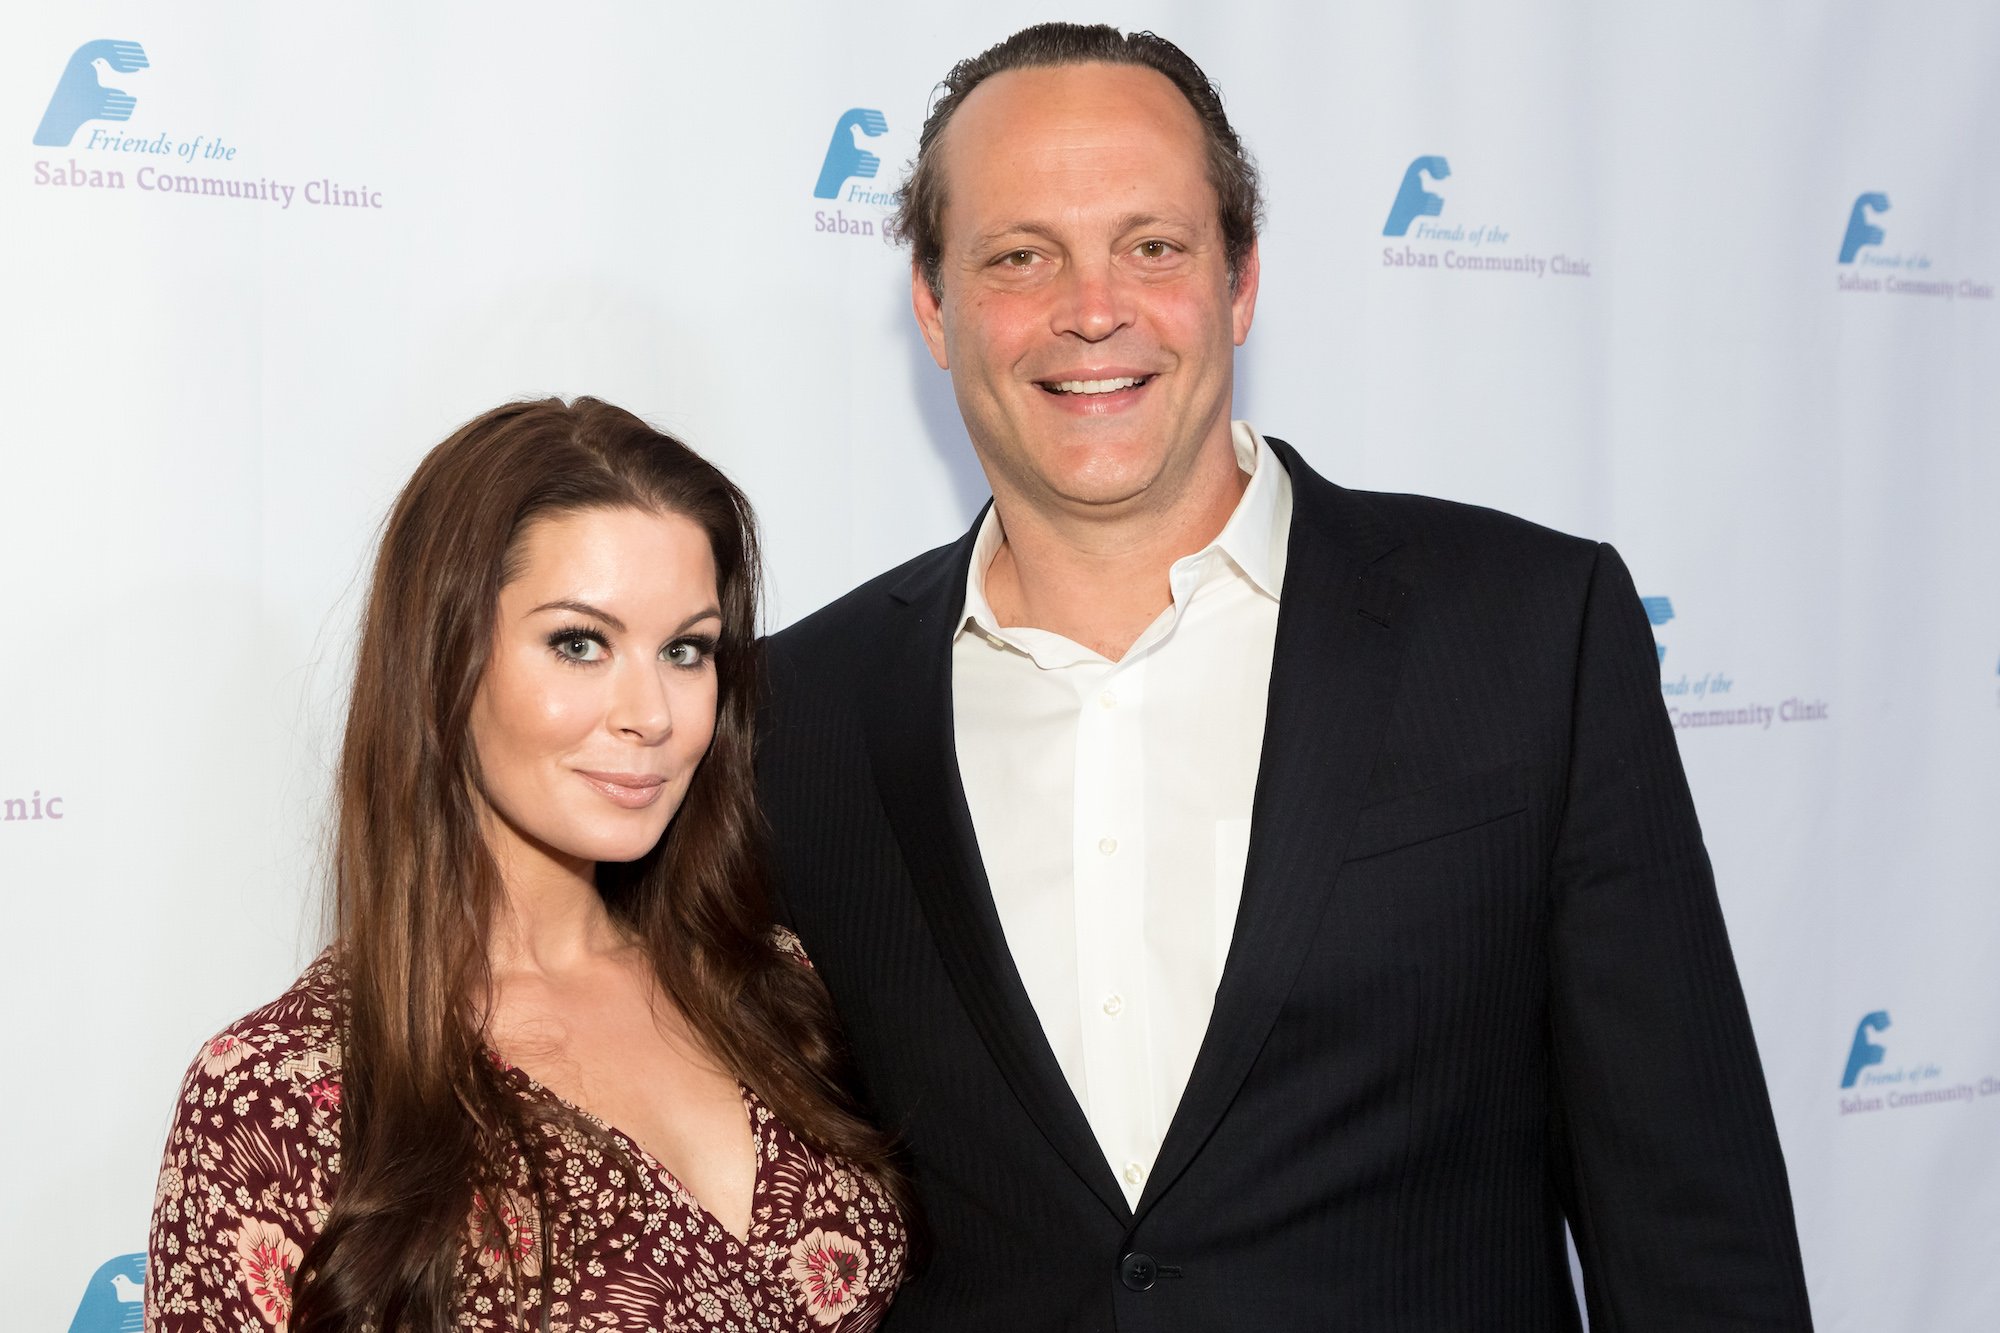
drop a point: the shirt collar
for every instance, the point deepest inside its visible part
(1256, 535)
(1254, 539)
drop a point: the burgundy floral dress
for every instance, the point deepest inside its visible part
(253, 1160)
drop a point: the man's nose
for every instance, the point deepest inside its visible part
(1096, 301)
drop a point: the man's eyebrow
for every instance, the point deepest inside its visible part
(1129, 223)
(583, 609)
(1141, 221)
(993, 236)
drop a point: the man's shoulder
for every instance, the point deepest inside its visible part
(861, 609)
(1445, 531)
(1453, 528)
(1464, 560)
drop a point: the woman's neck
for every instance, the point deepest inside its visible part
(551, 918)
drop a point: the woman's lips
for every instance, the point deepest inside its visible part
(633, 791)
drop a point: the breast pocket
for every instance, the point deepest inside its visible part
(1438, 811)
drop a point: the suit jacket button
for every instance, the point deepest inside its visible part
(1137, 1271)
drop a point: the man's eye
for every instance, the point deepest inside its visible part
(1155, 249)
(1018, 258)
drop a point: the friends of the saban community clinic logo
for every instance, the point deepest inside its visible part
(108, 150)
(81, 94)
(1870, 267)
(847, 175)
(1872, 1082)
(1698, 701)
(115, 1299)
(1456, 245)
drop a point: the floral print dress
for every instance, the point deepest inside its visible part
(253, 1161)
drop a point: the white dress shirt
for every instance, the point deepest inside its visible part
(1112, 805)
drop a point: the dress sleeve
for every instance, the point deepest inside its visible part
(789, 945)
(244, 1177)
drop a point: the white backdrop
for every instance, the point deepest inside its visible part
(1627, 316)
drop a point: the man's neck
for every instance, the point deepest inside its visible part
(1100, 580)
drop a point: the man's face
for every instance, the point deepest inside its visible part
(1086, 314)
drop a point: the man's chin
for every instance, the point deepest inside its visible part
(1106, 492)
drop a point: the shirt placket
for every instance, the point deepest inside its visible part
(1109, 860)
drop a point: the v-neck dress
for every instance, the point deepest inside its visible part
(253, 1161)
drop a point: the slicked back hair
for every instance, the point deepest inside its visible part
(920, 205)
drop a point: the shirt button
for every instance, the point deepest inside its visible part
(1114, 1005)
(1108, 699)
(1107, 845)
(1134, 1173)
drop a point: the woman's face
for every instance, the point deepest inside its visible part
(599, 700)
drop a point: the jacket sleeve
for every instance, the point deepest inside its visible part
(1666, 1153)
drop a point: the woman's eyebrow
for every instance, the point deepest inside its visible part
(582, 609)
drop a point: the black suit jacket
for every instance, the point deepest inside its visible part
(1479, 981)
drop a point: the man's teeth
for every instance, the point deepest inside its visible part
(1096, 386)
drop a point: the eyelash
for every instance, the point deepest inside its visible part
(569, 634)
(704, 644)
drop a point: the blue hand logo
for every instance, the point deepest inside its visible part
(80, 97)
(1860, 231)
(1865, 1052)
(1413, 201)
(844, 157)
(114, 1302)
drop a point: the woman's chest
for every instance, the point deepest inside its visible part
(632, 1249)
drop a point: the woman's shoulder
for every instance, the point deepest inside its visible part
(291, 1042)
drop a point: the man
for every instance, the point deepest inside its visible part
(1256, 904)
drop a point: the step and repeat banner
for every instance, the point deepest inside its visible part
(1715, 282)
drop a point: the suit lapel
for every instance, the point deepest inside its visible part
(910, 732)
(1334, 672)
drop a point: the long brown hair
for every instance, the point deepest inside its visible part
(426, 1123)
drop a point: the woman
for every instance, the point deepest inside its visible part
(556, 1072)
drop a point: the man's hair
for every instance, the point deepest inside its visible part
(920, 205)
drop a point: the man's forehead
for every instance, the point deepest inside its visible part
(1078, 92)
(1056, 117)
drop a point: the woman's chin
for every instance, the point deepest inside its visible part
(620, 846)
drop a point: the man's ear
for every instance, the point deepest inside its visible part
(930, 315)
(1243, 295)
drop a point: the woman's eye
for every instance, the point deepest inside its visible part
(579, 648)
(685, 653)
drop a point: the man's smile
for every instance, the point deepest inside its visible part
(1111, 385)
